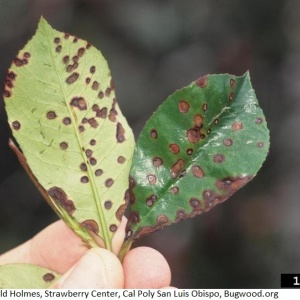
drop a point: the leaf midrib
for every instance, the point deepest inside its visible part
(89, 171)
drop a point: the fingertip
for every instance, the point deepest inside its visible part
(144, 267)
(98, 268)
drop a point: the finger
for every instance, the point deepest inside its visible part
(98, 268)
(145, 267)
(56, 247)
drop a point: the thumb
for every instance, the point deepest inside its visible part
(98, 268)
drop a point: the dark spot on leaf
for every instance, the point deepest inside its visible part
(91, 225)
(79, 102)
(232, 184)
(69, 68)
(204, 106)
(198, 120)
(84, 179)
(75, 40)
(181, 215)
(153, 133)
(81, 128)
(150, 200)
(195, 203)
(48, 277)
(202, 81)
(18, 62)
(259, 120)
(83, 167)
(108, 204)
(219, 158)
(93, 122)
(84, 120)
(93, 142)
(227, 142)
(6, 93)
(95, 107)
(16, 125)
(102, 113)
(177, 168)
(193, 135)
(67, 121)
(107, 92)
(232, 83)
(157, 162)
(58, 48)
(174, 190)
(88, 153)
(174, 148)
(72, 78)
(92, 69)
(183, 106)
(121, 159)
(95, 85)
(66, 59)
(93, 161)
(109, 182)
(25, 61)
(162, 220)
(197, 171)
(208, 131)
(231, 96)
(98, 172)
(151, 178)
(237, 126)
(66, 35)
(113, 228)
(57, 40)
(80, 52)
(100, 95)
(134, 217)
(60, 197)
(260, 144)
(63, 145)
(113, 113)
(87, 80)
(216, 121)
(189, 151)
(27, 55)
(120, 133)
(51, 115)
(88, 46)
(8, 83)
(11, 75)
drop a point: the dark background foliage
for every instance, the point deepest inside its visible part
(153, 48)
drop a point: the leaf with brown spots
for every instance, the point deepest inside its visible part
(26, 276)
(202, 144)
(70, 145)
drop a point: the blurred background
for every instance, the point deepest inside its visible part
(154, 48)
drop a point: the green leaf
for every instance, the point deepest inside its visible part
(26, 276)
(202, 144)
(61, 106)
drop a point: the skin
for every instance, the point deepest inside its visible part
(59, 249)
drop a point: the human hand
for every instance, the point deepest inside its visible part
(59, 249)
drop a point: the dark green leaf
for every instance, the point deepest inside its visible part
(202, 144)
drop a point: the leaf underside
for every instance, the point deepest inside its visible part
(61, 106)
(28, 277)
(202, 144)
